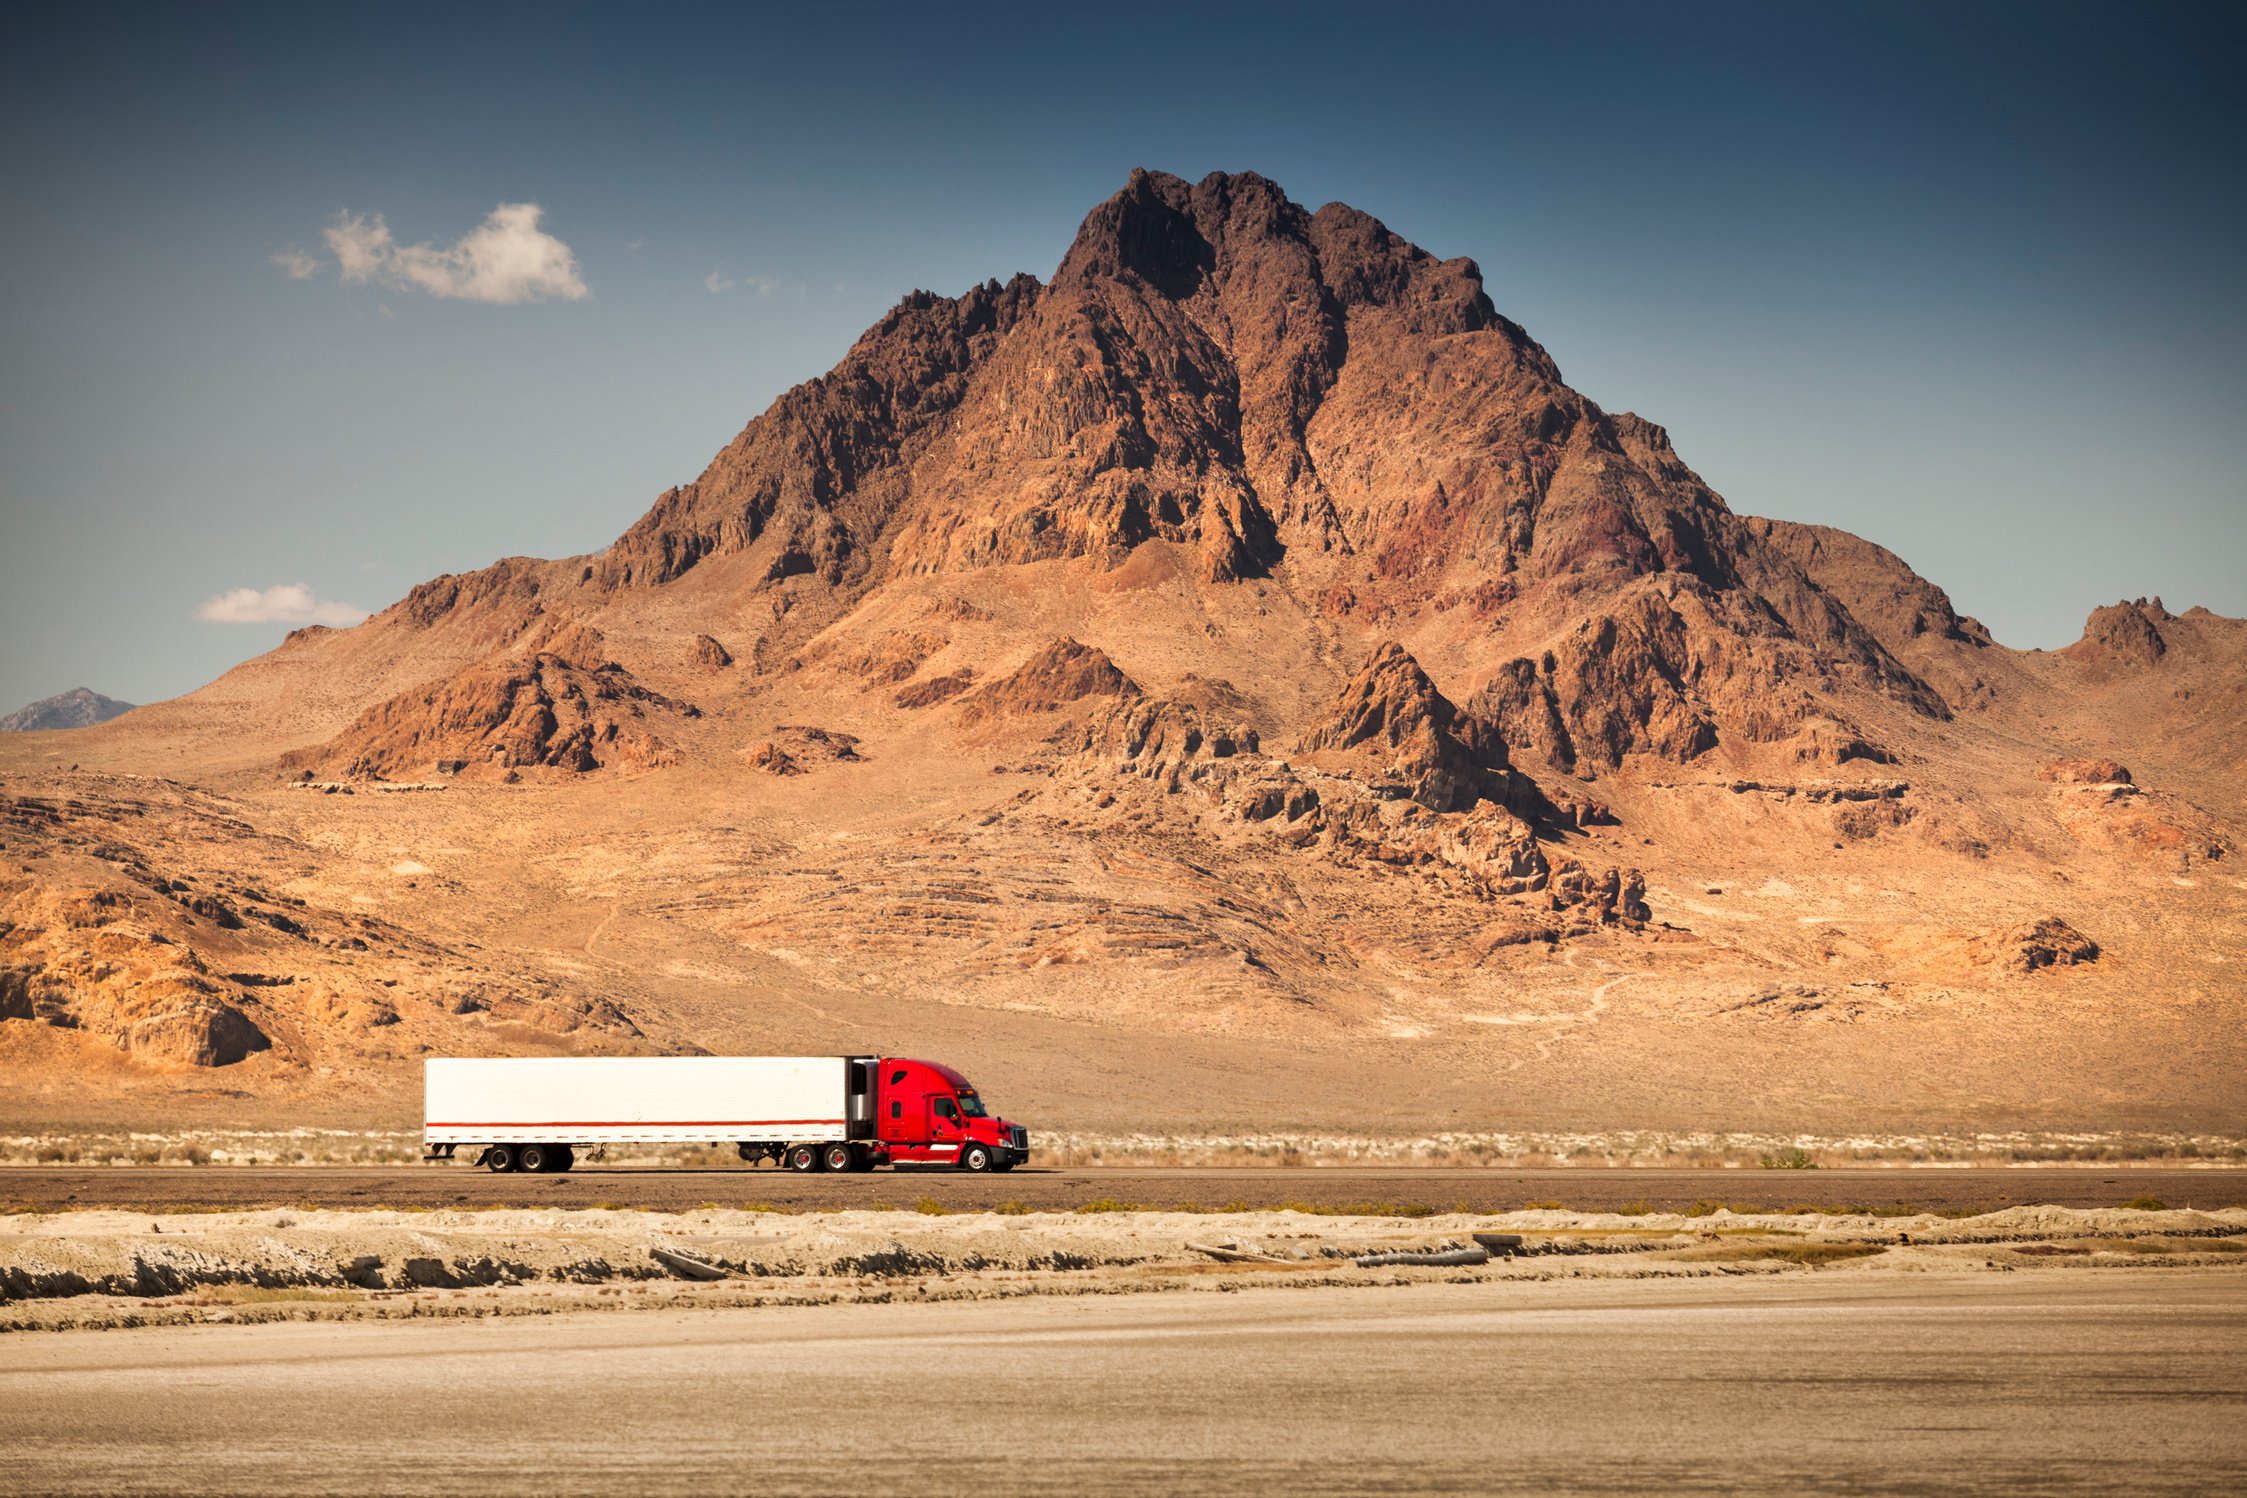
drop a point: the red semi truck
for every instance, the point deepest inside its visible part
(808, 1113)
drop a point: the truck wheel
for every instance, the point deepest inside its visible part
(838, 1157)
(536, 1159)
(565, 1157)
(975, 1157)
(500, 1159)
(802, 1158)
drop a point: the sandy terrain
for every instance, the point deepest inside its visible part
(54, 1189)
(112, 1268)
(2075, 1380)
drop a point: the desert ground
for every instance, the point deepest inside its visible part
(511, 1350)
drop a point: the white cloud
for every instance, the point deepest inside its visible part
(507, 258)
(283, 603)
(296, 263)
(715, 283)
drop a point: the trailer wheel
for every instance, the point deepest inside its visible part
(564, 1158)
(500, 1159)
(975, 1157)
(535, 1159)
(802, 1158)
(838, 1158)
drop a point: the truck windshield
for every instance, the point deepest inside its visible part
(972, 1105)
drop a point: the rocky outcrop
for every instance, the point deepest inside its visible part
(1390, 750)
(2085, 772)
(78, 959)
(889, 658)
(1391, 719)
(1913, 620)
(795, 750)
(2124, 634)
(543, 712)
(2098, 802)
(1827, 743)
(2035, 945)
(76, 708)
(129, 940)
(934, 689)
(710, 655)
(1064, 672)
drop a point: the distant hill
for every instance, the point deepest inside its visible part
(77, 708)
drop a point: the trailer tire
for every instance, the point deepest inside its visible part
(534, 1159)
(500, 1159)
(975, 1157)
(565, 1158)
(839, 1158)
(801, 1158)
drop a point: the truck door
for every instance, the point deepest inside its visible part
(944, 1126)
(901, 1106)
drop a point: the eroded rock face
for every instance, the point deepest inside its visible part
(545, 711)
(129, 949)
(797, 749)
(1062, 673)
(2124, 634)
(1391, 718)
(710, 655)
(1830, 744)
(1346, 805)
(2034, 945)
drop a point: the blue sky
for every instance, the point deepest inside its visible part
(1963, 279)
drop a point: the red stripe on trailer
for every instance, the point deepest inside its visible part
(637, 1123)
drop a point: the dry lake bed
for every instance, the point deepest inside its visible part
(2070, 1380)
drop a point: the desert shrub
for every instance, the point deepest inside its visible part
(2145, 1204)
(1786, 1157)
(929, 1206)
(1811, 1255)
(252, 1295)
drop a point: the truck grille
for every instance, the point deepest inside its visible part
(1019, 1137)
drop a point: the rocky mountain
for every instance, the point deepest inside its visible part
(1242, 644)
(77, 708)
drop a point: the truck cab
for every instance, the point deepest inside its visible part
(927, 1113)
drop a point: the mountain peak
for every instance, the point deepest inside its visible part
(80, 707)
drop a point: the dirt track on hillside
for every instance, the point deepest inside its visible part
(47, 1189)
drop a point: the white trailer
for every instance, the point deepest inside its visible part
(531, 1113)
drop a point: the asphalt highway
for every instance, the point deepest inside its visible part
(174, 1188)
